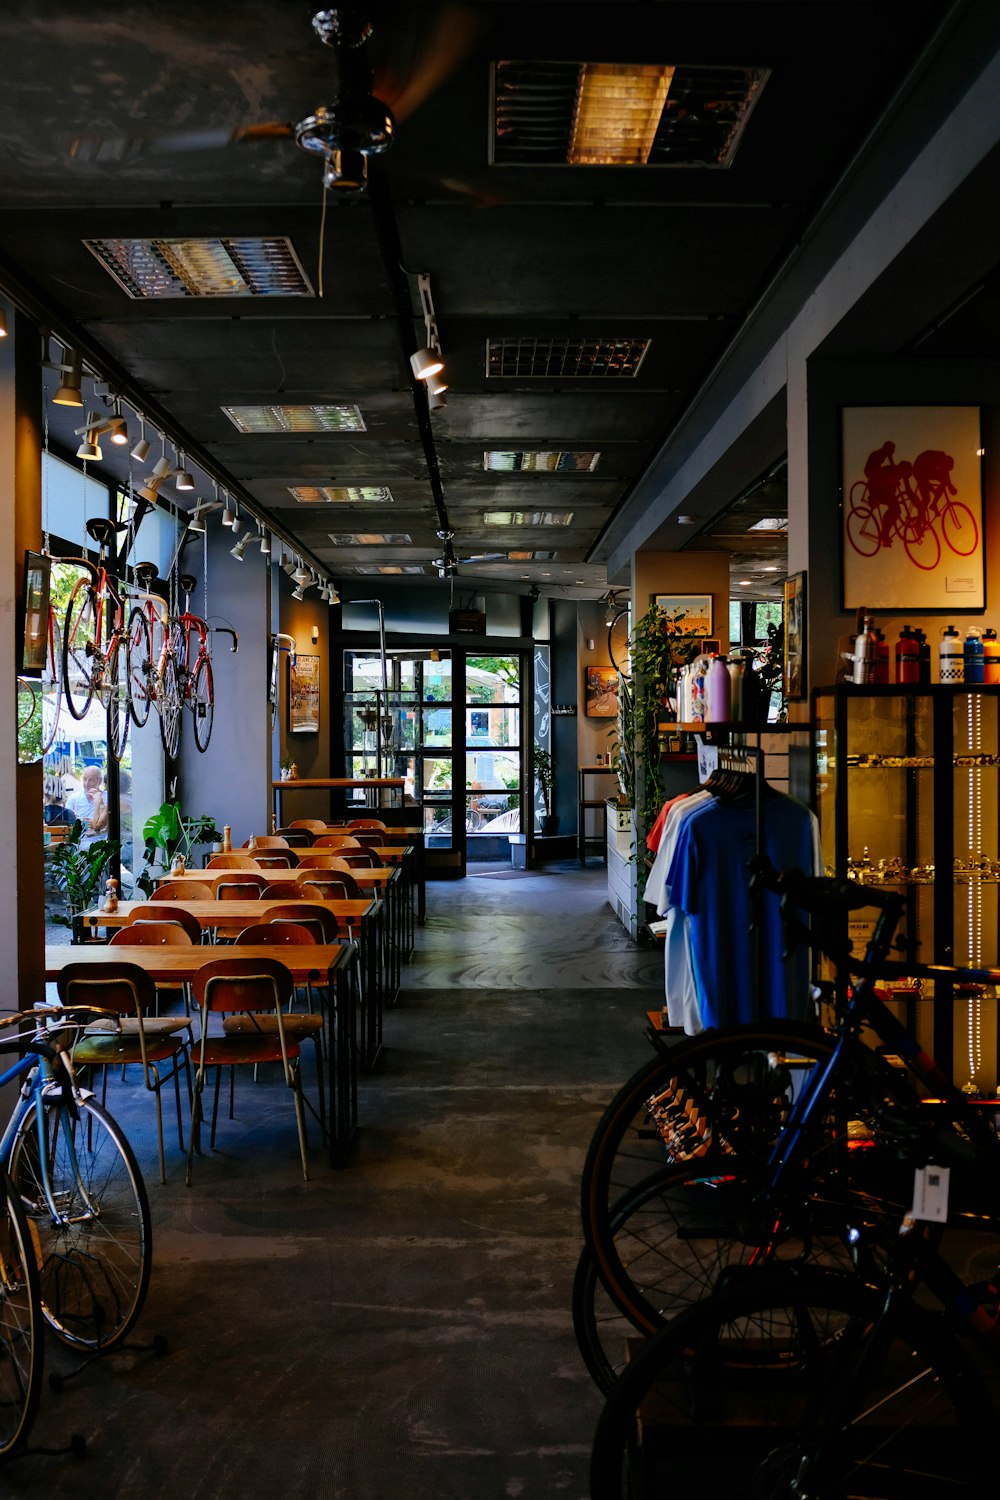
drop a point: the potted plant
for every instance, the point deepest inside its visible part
(77, 871)
(170, 832)
(541, 761)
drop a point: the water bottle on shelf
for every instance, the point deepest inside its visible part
(864, 653)
(718, 697)
(973, 657)
(907, 657)
(951, 656)
(991, 655)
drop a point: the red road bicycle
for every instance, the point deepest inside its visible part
(94, 646)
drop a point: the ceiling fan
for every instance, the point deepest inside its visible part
(358, 123)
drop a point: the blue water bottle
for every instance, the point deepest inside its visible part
(972, 651)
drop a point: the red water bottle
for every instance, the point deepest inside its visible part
(907, 656)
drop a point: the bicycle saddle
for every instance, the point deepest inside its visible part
(146, 572)
(188, 582)
(103, 531)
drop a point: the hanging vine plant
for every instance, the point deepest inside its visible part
(660, 647)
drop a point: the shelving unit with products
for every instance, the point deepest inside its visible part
(907, 791)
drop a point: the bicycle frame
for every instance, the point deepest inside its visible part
(38, 1070)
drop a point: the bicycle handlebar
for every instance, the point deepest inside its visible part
(225, 630)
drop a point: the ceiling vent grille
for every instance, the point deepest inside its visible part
(370, 538)
(540, 462)
(295, 418)
(564, 359)
(591, 114)
(331, 494)
(203, 268)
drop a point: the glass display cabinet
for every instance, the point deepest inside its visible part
(906, 791)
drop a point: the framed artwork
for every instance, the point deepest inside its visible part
(601, 692)
(303, 695)
(711, 646)
(693, 612)
(794, 668)
(912, 507)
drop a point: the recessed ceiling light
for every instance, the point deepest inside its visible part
(770, 568)
(203, 268)
(550, 463)
(687, 520)
(527, 517)
(744, 583)
(254, 419)
(564, 359)
(370, 538)
(328, 494)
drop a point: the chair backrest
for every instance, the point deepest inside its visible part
(316, 917)
(150, 912)
(336, 841)
(334, 885)
(232, 861)
(246, 885)
(367, 823)
(372, 840)
(297, 838)
(330, 860)
(287, 890)
(266, 841)
(153, 935)
(242, 984)
(122, 987)
(363, 859)
(277, 859)
(286, 933)
(314, 825)
(182, 890)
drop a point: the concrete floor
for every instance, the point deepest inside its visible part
(401, 1327)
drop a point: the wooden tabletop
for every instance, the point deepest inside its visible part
(378, 876)
(229, 914)
(304, 962)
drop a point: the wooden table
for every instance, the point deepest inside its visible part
(380, 791)
(365, 920)
(332, 964)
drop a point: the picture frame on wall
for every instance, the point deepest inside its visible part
(303, 695)
(601, 692)
(794, 682)
(692, 612)
(912, 508)
(35, 611)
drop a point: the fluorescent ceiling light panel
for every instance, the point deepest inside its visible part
(618, 107)
(343, 418)
(527, 518)
(548, 463)
(370, 539)
(203, 268)
(328, 494)
(564, 359)
(383, 568)
(770, 523)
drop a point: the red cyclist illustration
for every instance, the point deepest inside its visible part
(901, 500)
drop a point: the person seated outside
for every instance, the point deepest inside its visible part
(89, 805)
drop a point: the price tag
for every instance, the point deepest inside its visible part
(708, 759)
(930, 1194)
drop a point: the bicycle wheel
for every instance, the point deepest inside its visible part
(202, 703)
(921, 543)
(22, 1348)
(603, 1333)
(960, 529)
(140, 668)
(168, 702)
(618, 643)
(79, 647)
(763, 1382)
(117, 684)
(95, 1257)
(863, 531)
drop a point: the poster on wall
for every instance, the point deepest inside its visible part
(303, 695)
(794, 662)
(601, 695)
(912, 507)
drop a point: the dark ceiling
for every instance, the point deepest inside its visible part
(560, 258)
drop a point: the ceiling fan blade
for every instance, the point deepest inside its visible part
(112, 149)
(420, 59)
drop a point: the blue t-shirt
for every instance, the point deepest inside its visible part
(709, 881)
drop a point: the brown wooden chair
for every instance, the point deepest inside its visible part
(153, 912)
(318, 860)
(290, 890)
(266, 841)
(297, 838)
(245, 885)
(232, 861)
(182, 890)
(257, 990)
(168, 933)
(334, 885)
(278, 859)
(367, 823)
(363, 859)
(336, 841)
(307, 1025)
(129, 991)
(312, 825)
(322, 923)
(372, 840)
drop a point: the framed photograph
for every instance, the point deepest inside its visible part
(35, 611)
(912, 507)
(712, 646)
(794, 669)
(601, 692)
(303, 695)
(692, 612)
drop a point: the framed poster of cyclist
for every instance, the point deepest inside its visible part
(303, 695)
(912, 507)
